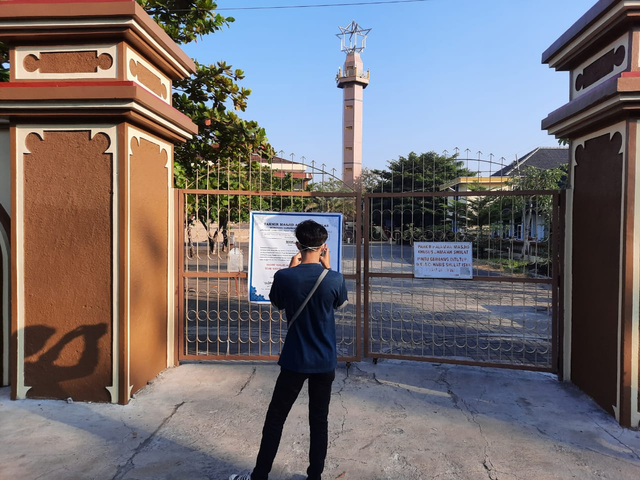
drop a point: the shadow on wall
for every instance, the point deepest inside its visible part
(41, 360)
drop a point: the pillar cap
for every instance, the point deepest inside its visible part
(604, 20)
(615, 99)
(76, 21)
(118, 100)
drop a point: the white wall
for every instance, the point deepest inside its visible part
(5, 169)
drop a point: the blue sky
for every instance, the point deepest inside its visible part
(444, 74)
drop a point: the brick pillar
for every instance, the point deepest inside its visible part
(601, 51)
(91, 132)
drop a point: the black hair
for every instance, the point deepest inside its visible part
(311, 234)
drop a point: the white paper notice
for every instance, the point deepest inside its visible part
(442, 260)
(273, 243)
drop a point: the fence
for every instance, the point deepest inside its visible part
(507, 314)
(217, 320)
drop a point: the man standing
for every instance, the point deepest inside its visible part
(309, 351)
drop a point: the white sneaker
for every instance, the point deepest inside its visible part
(240, 477)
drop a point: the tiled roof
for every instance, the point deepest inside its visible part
(543, 158)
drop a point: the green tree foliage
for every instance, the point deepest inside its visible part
(210, 97)
(222, 135)
(531, 206)
(222, 156)
(338, 204)
(368, 180)
(532, 178)
(186, 21)
(229, 179)
(426, 172)
(407, 218)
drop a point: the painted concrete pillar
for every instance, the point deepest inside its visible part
(91, 134)
(601, 52)
(352, 80)
(5, 251)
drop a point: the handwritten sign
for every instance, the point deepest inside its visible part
(273, 243)
(442, 260)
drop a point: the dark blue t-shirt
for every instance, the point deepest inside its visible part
(310, 346)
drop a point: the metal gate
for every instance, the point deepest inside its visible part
(216, 320)
(507, 315)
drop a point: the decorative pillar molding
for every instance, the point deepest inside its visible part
(90, 144)
(5, 251)
(601, 51)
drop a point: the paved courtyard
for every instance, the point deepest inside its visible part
(394, 420)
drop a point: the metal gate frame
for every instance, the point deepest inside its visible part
(557, 226)
(182, 273)
(363, 274)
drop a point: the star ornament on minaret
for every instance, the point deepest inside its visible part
(353, 38)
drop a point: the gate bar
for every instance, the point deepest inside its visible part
(358, 277)
(475, 278)
(457, 361)
(487, 193)
(265, 193)
(367, 213)
(554, 289)
(180, 218)
(178, 246)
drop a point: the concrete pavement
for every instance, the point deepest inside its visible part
(393, 420)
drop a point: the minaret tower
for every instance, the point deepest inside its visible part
(352, 80)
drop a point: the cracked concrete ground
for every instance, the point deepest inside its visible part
(393, 420)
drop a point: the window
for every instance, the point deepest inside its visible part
(348, 127)
(348, 148)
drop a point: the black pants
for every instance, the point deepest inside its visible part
(286, 391)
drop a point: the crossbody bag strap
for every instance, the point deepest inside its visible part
(306, 300)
